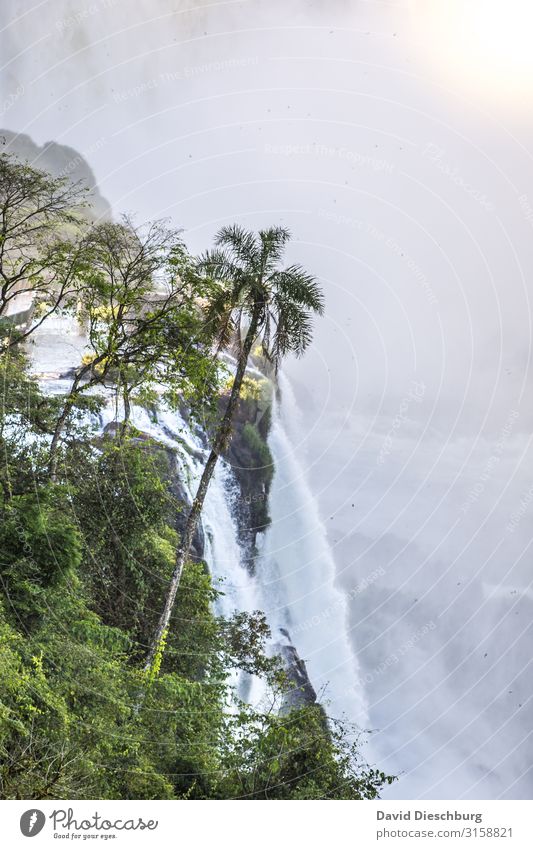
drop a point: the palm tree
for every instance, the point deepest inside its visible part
(254, 299)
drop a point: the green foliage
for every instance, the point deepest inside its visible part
(122, 506)
(154, 670)
(297, 755)
(84, 567)
(260, 451)
(251, 389)
(40, 255)
(247, 281)
(39, 547)
(194, 631)
(144, 327)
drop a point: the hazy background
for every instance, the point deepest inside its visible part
(394, 140)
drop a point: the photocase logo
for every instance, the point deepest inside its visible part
(32, 822)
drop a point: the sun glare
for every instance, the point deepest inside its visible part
(487, 43)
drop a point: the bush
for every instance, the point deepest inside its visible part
(261, 456)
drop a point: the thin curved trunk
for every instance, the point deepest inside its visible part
(75, 390)
(219, 443)
(58, 430)
(127, 408)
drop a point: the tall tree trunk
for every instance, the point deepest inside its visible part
(219, 443)
(127, 407)
(75, 390)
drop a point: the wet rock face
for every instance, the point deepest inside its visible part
(251, 461)
(300, 692)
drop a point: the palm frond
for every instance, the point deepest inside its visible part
(245, 277)
(242, 245)
(300, 287)
(219, 319)
(273, 243)
(293, 330)
(217, 264)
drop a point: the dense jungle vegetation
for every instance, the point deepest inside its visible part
(115, 670)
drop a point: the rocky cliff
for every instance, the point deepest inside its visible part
(60, 161)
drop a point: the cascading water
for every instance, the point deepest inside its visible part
(297, 575)
(294, 578)
(223, 554)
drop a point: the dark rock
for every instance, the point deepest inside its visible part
(60, 161)
(301, 692)
(251, 462)
(69, 374)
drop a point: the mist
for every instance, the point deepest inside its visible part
(409, 193)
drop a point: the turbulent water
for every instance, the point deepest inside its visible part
(294, 579)
(297, 574)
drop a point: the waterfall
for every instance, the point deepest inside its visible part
(296, 570)
(294, 578)
(223, 554)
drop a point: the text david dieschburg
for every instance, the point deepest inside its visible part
(406, 816)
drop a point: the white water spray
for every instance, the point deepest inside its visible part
(297, 574)
(294, 580)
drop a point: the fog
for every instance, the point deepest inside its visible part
(405, 176)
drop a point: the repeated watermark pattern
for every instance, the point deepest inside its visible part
(80, 17)
(81, 159)
(436, 155)
(517, 515)
(324, 150)
(189, 72)
(492, 463)
(369, 229)
(395, 656)
(11, 99)
(317, 618)
(527, 208)
(415, 394)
